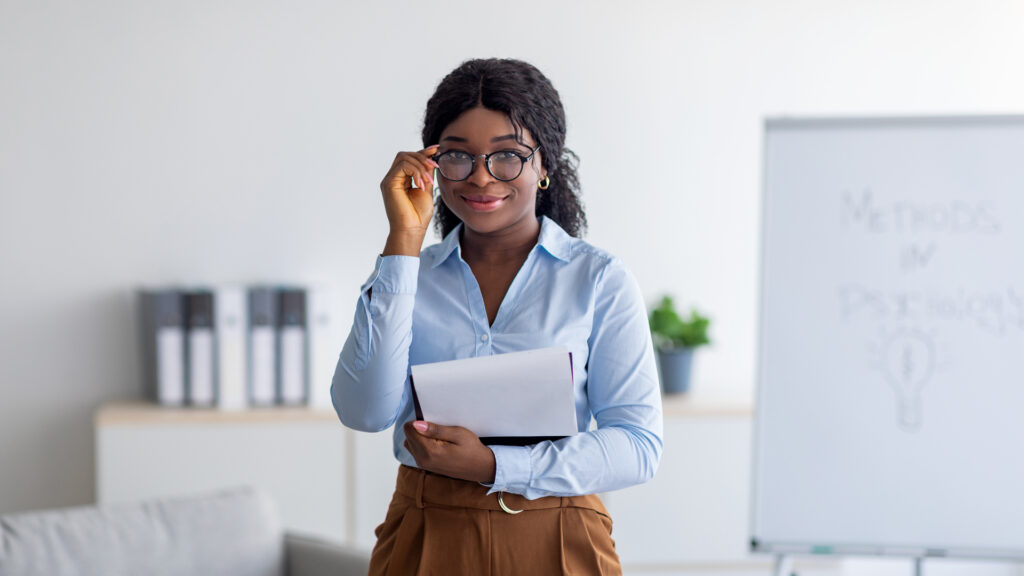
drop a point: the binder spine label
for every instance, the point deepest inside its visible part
(170, 353)
(201, 366)
(293, 365)
(263, 369)
(230, 333)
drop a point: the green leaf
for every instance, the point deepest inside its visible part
(670, 330)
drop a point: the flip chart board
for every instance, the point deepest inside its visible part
(890, 404)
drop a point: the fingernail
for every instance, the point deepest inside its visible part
(421, 426)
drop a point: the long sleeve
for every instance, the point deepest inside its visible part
(624, 396)
(368, 387)
(567, 293)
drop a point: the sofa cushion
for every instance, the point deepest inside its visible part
(227, 533)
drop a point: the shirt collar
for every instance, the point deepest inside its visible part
(556, 241)
(552, 239)
(448, 245)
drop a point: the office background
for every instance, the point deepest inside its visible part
(157, 142)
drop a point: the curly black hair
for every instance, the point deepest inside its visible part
(528, 98)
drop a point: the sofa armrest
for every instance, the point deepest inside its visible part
(311, 556)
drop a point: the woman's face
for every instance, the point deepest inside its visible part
(485, 204)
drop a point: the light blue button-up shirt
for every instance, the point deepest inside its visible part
(567, 293)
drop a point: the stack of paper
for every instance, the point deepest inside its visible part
(516, 398)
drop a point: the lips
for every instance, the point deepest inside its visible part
(484, 203)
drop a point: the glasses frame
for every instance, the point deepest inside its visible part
(487, 162)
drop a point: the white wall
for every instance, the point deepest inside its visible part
(152, 142)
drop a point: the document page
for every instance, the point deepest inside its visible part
(520, 394)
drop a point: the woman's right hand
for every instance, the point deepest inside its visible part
(408, 190)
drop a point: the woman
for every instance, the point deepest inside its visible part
(509, 275)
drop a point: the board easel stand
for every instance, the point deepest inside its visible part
(784, 565)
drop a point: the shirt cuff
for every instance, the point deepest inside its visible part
(394, 275)
(513, 469)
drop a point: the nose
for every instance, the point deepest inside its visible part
(480, 176)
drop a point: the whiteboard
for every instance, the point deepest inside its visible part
(890, 403)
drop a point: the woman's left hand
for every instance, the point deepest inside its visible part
(453, 451)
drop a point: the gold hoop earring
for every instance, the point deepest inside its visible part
(543, 184)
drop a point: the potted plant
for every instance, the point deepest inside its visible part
(675, 339)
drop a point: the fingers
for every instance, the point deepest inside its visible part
(449, 450)
(423, 158)
(417, 166)
(408, 166)
(453, 434)
(420, 166)
(417, 445)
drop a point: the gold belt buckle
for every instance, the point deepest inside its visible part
(501, 503)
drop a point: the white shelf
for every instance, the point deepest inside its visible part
(122, 413)
(688, 406)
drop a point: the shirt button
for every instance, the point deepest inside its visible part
(484, 338)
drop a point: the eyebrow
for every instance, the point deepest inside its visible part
(496, 139)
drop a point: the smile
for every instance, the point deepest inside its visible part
(481, 203)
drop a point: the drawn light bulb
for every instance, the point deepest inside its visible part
(909, 362)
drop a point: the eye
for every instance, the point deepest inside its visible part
(506, 155)
(457, 155)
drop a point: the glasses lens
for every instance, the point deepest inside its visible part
(455, 165)
(506, 165)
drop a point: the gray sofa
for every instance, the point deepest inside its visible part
(228, 533)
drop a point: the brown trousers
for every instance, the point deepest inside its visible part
(440, 525)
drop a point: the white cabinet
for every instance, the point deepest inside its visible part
(298, 455)
(695, 509)
(325, 479)
(693, 517)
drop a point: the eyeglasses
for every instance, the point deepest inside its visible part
(504, 165)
